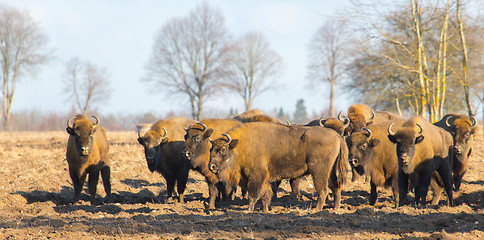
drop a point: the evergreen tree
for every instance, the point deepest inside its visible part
(300, 115)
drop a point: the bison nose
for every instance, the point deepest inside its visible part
(405, 159)
(85, 151)
(458, 150)
(213, 168)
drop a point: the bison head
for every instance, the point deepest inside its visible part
(221, 154)
(360, 145)
(358, 120)
(462, 128)
(152, 142)
(82, 129)
(405, 138)
(197, 144)
(340, 125)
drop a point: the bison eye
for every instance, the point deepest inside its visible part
(363, 147)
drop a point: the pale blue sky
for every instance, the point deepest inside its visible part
(118, 35)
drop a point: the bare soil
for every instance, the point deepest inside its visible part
(35, 191)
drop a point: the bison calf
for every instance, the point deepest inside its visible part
(87, 150)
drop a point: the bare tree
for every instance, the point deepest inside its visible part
(188, 56)
(23, 47)
(328, 55)
(85, 83)
(254, 65)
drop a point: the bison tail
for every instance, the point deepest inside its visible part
(341, 164)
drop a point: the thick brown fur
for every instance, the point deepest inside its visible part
(422, 148)
(361, 115)
(165, 155)
(261, 153)
(197, 149)
(87, 150)
(461, 128)
(255, 116)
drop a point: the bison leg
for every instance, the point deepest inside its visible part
(106, 176)
(373, 194)
(213, 190)
(170, 186)
(254, 188)
(446, 176)
(457, 181)
(266, 196)
(295, 187)
(402, 187)
(77, 181)
(396, 192)
(337, 196)
(275, 186)
(92, 184)
(422, 188)
(181, 183)
(321, 187)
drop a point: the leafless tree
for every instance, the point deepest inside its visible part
(328, 55)
(85, 84)
(23, 47)
(254, 65)
(188, 56)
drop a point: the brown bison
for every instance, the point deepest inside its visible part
(164, 145)
(255, 115)
(422, 148)
(261, 153)
(339, 124)
(361, 115)
(461, 127)
(373, 154)
(87, 151)
(197, 149)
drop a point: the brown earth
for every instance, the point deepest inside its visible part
(35, 190)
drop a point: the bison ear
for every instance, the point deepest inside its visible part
(374, 142)
(473, 130)
(141, 141)
(392, 138)
(233, 143)
(164, 140)
(70, 131)
(419, 139)
(207, 133)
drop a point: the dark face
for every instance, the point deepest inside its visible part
(83, 132)
(406, 139)
(221, 154)
(361, 148)
(153, 149)
(462, 132)
(197, 146)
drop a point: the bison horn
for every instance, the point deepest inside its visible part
(344, 119)
(369, 132)
(97, 120)
(322, 121)
(69, 122)
(473, 121)
(164, 135)
(390, 130)
(203, 125)
(288, 123)
(372, 117)
(421, 130)
(447, 121)
(229, 139)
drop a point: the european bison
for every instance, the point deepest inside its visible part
(422, 148)
(361, 115)
(461, 127)
(197, 149)
(339, 124)
(261, 153)
(373, 154)
(255, 115)
(87, 151)
(164, 145)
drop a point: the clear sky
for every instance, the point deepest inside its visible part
(118, 35)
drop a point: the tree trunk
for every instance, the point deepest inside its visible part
(465, 83)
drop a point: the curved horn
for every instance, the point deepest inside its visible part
(447, 121)
(229, 139)
(97, 120)
(164, 135)
(339, 117)
(69, 124)
(473, 121)
(368, 131)
(372, 117)
(421, 130)
(203, 125)
(346, 121)
(322, 121)
(139, 133)
(390, 130)
(288, 123)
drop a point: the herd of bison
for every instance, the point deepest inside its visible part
(249, 176)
